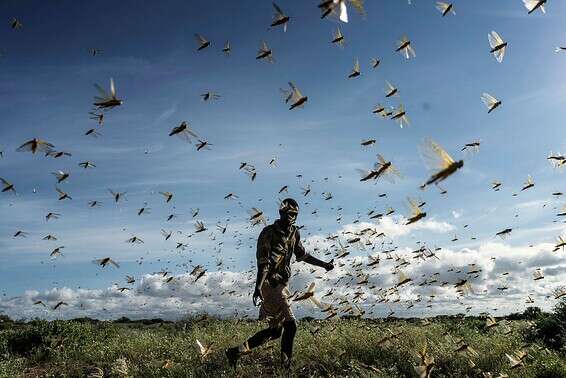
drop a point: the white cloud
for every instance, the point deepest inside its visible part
(394, 227)
(226, 293)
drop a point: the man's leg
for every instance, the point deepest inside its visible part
(256, 340)
(289, 331)
(264, 336)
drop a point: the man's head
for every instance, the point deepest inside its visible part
(288, 211)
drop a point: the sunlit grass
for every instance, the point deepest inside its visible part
(341, 347)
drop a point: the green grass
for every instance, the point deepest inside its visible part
(340, 348)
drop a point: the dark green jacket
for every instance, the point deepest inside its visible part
(275, 246)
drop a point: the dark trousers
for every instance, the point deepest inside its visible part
(287, 331)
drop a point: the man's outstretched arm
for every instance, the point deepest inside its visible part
(310, 259)
(302, 255)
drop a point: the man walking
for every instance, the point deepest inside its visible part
(275, 246)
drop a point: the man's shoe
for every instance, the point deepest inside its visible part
(233, 355)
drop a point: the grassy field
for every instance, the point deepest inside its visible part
(341, 347)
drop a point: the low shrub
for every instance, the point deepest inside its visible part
(550, 329)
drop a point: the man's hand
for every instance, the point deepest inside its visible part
(329, 266)
(261, 276)
(257, 296)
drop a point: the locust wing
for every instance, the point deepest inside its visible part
(443, 7)
(413, 207)
(112, 88)
(104, 96)
(434, 156)
(531, 5)
(357, 66)
(496, 41)
(358, 6)
(296, 93)
(389, 88)
(488, 100)
(278, 12)
(200, 39)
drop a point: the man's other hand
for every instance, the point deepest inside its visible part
(257, 297)
(329, 266)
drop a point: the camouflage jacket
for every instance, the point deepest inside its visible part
(275, 246)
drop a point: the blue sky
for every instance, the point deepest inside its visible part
(46, 91)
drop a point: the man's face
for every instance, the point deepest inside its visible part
(289, 216)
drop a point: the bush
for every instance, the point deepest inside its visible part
(532, 313)
(550, 329)
(85, 320)
(24, 343)
(5, 322)
(5, 319)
